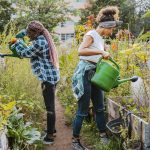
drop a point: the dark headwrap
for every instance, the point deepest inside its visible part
(39, 28)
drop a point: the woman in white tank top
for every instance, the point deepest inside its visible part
(90, 50)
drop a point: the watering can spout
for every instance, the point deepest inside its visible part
(133, 79)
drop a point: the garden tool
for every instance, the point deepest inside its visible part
(107, 75)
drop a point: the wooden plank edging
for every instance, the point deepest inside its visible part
(139, 126)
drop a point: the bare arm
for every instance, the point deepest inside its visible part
(84, 49)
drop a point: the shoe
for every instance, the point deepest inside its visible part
(76, 145)
(45, 132)
(104, 138)
(47, 140)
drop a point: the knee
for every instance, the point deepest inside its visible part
(50, 112)
(99, 110)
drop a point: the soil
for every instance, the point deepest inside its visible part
(64, 132)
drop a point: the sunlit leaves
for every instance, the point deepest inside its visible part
(5, 111)
(146, 15)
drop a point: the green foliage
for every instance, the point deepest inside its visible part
(17, 83)
(6, 10)
(68, 63)
(146, 15)
(96, 5)
(49, 12)
(128, 13)
(91, 137)
(22, 133)
(144, 36)
(5, 111)
(147, 34)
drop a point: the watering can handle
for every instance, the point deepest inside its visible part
(110, 59)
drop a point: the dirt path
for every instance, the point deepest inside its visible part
(64, 133)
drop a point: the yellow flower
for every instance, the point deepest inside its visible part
(136, 45)
(9, 106)
(127, 52)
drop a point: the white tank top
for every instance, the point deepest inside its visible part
(98, 43)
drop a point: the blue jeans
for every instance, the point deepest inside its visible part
(97, 97)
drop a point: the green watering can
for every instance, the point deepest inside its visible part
(13, 50)
(13, 54)
(20, 35)
(107, 76)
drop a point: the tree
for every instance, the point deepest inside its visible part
(95, 6)
(6, 10)
(49, 12)
(130, 12)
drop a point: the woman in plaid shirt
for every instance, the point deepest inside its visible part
(45, 66)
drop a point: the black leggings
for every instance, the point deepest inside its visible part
(48, 91)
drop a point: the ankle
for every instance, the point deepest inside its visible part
(75, 139)
(103, 134)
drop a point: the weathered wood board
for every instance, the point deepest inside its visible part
(139, 126)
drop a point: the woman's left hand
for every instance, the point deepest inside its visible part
(106, 55)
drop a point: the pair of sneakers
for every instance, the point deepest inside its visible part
(49, 138)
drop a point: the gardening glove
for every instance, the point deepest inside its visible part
(21, 34)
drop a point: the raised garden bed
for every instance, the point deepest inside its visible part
(139, 126)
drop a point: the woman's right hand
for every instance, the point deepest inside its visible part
(106, 55)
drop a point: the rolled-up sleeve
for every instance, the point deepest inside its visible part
(27, 51)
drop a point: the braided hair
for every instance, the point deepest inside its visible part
(39, 28)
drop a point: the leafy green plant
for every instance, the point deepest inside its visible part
(68, 63)
(22, 134)
(5, 111)
(18, 84)
(131, 143)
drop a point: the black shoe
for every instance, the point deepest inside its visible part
(76, 145)
(45, 132)
(48, 140)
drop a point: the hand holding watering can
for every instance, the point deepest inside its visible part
(18, 38)
(12, 48)
(107, 75)
(11, 45)
(106, 55)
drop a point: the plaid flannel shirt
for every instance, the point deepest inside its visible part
(41, 65)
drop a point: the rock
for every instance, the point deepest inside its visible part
(3, 140)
